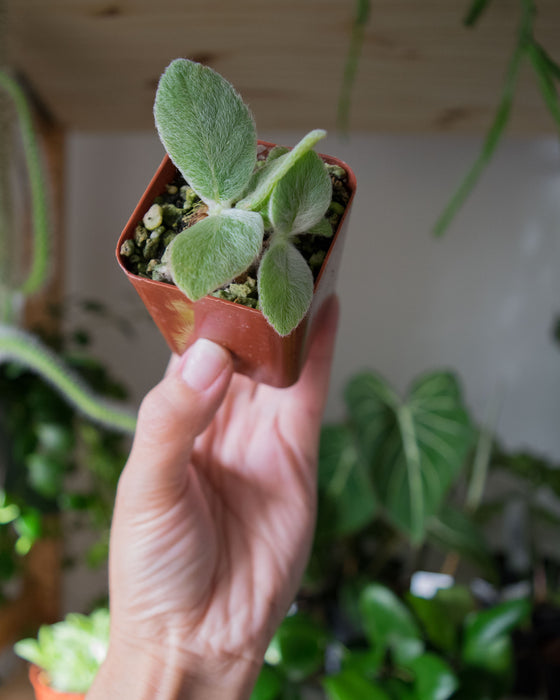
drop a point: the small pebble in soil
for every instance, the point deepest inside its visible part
(179, 207)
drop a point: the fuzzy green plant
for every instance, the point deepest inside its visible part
(69, 652)
(28, 351)
(254, 212)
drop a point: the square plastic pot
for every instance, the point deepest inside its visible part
(44, 691)
(258, 351)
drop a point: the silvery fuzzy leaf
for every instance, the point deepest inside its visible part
(207, 130)
(301, 198)
(267, 178)
(214, 251)
(285, 286)
(322, 228)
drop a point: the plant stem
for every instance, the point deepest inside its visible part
(499, 123)
(475, 11)
(361, 18)
(23, 348)
(547, 71)
(482, 456)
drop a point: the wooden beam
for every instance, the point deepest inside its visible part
(95, 63)
(38, 308)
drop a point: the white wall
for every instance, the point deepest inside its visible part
(482, 300)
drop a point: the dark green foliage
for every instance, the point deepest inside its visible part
(358, 631)
(44, 443)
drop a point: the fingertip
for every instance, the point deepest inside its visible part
(203, 363)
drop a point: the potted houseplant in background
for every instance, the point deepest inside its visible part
(228, 220)
(66, 656)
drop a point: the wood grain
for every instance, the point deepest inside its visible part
(95, 63)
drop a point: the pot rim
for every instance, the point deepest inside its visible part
(167, 163)
(43, 690)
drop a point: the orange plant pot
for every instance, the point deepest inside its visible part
(44, 691)
(258, 351)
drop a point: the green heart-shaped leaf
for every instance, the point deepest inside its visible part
(302, 196)
(350, 685)
(214, 251)
(389, 624)
(285, 286)
(415, 448)
(486, 642)
(298, 647)
(345, 491)
(434, 678)
(266, 179)
(207, 130)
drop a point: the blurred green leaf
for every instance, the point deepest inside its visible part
(345, 489)
(362, 661)
(457, 602)
(399, 689)
(389, 624)
(486, 641)
(454, 531)
(46, 474)
(440, 629)
(415, 448)
(54, 437)
(434, 679)
(29, 524)
(7, 566)
(350, 685)
(298, 647)
(268, 686)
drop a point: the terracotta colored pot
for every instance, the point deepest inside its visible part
(258, 350)
(44, 692)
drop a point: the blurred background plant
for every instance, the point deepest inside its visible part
(62, 441)
(423, 583)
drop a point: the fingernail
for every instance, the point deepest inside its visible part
(203, 363)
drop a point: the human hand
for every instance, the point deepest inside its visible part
(213, 524)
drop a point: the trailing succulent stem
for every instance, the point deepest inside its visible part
(24, 349)
(38, 273)
(253, 210)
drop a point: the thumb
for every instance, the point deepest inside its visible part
(176, 411)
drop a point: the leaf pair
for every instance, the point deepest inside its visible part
(210, 136)
(297, 204)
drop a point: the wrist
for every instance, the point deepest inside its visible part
(143, 674)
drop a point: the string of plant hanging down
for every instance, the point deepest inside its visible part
(527, 49)
(24, 348)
